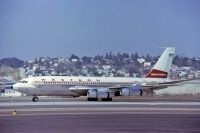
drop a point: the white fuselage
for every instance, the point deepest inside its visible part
(76, 86)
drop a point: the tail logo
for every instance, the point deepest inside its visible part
(156, 74)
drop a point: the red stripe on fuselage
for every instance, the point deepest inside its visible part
(156, 74)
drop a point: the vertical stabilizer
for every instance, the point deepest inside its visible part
(162, 67)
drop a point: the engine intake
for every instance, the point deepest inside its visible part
(99, 93)
(130, 91)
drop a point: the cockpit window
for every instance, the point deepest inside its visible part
(23, 81)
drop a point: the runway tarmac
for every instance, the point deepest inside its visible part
(68, 115)
(115, 99)
(101, 123)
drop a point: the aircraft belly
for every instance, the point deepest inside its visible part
(81, 92)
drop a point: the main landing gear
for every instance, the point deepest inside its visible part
(35, 99)
(102, 99)
(106, 99)
(92, 99)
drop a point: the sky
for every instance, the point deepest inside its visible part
(59, 28)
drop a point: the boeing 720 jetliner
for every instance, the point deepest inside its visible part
(100, 87)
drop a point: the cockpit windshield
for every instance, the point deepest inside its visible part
(23, 81)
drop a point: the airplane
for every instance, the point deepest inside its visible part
(103, 88)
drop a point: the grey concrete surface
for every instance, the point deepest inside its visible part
(102, 123)
(149, 115)
(115, 99)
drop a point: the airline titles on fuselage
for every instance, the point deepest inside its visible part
(81, 82)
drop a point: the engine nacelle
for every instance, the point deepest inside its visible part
(99, 93)
(92, 93)
(130, 91)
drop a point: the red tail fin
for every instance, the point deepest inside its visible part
(163, 65)
(156, 74)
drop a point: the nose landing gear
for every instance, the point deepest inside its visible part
(35, 99)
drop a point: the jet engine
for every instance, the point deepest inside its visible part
(92, 93)
(130, 91)
(104, 93)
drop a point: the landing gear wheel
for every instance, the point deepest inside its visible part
(106, 99)
(92, 99)
(35, 99)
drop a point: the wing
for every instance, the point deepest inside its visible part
(154, 85)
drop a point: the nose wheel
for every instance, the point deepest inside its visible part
(35, 99)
